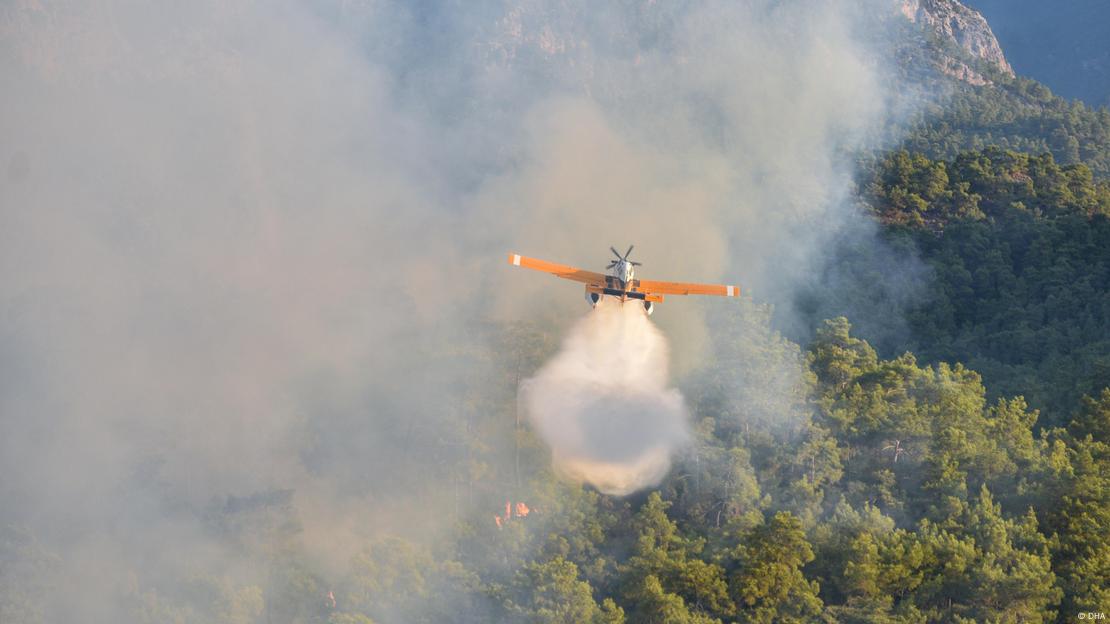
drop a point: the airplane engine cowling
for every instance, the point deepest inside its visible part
(593, 299)
(649, 306)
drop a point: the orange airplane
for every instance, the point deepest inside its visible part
(621, 282)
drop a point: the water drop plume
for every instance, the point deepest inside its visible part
(603, 404)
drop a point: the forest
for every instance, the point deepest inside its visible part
(1018, 248)
(965, 480)
(873, 490)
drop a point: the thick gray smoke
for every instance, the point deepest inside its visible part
(247, 249)
(603, 403)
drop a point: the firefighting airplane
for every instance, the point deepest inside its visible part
(621, 282)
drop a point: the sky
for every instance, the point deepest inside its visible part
(1063, 44)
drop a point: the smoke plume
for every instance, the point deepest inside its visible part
(250, 250)
(603, 405)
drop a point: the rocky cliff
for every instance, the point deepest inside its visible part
(949, 20)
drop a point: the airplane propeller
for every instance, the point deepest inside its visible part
(620, 258)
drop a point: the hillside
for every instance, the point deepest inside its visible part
(1021, 115)
(967, 96)
(1001, 188)
(1020, 281)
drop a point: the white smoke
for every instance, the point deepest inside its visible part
(603, 405)
(248, 247)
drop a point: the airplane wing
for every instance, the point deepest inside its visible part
(558, 270)
(683, 288)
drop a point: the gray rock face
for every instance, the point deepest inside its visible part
(967, 28)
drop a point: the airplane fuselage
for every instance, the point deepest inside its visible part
(623, 271)
(620, 283)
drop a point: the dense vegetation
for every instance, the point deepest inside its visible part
(1019, 252)
(993, 185)
(1017, 114)
(864, 490)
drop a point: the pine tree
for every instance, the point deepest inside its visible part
(767, 582)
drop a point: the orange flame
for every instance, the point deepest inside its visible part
(520, 509)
